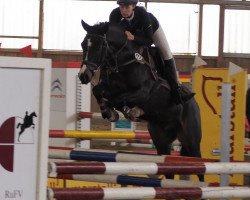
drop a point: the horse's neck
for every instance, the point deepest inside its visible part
(120, 47)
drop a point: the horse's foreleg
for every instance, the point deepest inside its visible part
(137, 97)
(107, 111)
(133, 103)
(102, 96)
(162, 138)
(132, 114)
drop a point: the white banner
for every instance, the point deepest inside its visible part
(19, 109)
(58, 90)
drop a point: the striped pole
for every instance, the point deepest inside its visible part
(148, 193)
(247, 147)
(95, 115)
(99, 134)
(138, 151)
(139, 141)
(138, 145)
(132, 180)
(118, 156)
(146, 168)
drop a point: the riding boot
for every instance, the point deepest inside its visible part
(169, 73)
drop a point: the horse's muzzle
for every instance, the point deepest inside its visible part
(85, 77)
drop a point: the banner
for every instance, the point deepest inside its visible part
(208, 88)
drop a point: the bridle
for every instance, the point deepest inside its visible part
(91, 65)
(104, 61)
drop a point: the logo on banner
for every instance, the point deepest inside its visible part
(56, 85)
(15, 130)
(56, 89)
(205, 79)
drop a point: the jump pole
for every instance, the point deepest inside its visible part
(94, 115)
(99, 134)
(132, 180)
(139, 141)
(118, 156)
(148, 193)
(225, 129)
(149, 168)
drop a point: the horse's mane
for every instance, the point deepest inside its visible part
(116, 34)
(100, 28)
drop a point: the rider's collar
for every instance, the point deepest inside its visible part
(131, 17)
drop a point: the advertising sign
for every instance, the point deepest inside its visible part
(24, 108)
(208, 89)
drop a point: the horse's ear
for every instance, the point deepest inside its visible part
(85, 25)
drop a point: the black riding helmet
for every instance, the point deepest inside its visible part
(127, 2)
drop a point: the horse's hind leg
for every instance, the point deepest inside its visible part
(162, 139)
(190, 138)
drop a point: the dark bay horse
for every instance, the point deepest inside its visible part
(128, 83)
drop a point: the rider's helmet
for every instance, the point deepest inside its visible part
(127, 2)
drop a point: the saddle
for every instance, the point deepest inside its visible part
(154, 60)
(157, 59)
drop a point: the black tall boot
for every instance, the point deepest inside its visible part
(169, 73)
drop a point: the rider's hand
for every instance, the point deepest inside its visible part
(129, 35)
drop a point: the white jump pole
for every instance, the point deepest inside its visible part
(225, 129)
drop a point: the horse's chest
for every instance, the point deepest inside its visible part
(124, 81)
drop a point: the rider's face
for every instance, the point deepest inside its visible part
(126, 10)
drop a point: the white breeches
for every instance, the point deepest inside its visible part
(161, 43)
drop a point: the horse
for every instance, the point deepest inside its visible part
(27, 122)
(130, 84)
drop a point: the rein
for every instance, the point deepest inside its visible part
(138, 58)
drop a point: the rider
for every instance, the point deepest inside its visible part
(144, 29)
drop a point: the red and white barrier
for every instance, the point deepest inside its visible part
(149, 193)
(117, 156)
(132, 180)
(147, 168)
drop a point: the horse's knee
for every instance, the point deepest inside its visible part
(100, 91)
(96, 90)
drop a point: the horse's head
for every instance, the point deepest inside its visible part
(102, 44)
(33, 114)
(94, 48)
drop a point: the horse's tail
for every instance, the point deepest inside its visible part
(18, 125)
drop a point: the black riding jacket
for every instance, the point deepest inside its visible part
(140, 26)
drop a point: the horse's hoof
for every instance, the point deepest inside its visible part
(131, 114)
(110, 114)
(114, 116)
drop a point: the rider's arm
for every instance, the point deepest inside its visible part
(145, 35)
